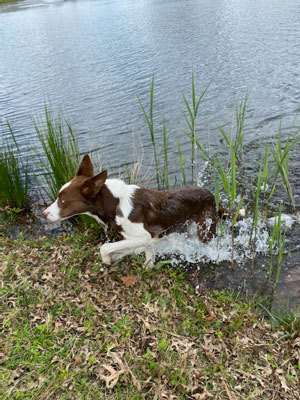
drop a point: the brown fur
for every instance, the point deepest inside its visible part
(164, 212)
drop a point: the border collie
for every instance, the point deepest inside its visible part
(141, 215)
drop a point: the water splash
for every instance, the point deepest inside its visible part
(287, 221)
(187, 247)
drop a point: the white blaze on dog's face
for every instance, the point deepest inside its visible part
(53, 212)
(76, 197)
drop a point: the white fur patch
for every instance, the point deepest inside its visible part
(133, 230)
(96, 218)
(65, 186)
(52, 213)
(136, 238)
(122, 191)
(135, 235)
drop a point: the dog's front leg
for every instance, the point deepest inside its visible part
(126, 246)
(105, 253)
(149, 262)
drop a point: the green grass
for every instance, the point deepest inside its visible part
(14, 175)
(71, 330)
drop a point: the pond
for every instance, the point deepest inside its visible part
(94, 58)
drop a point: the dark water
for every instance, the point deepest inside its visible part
(94, 58)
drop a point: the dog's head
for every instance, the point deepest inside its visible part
(77, 196)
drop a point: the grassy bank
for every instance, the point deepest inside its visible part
(8, 1)
(74, 329)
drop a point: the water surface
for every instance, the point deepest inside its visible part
(93, 58)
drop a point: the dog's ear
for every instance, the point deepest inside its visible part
(93, 185)
(86, 167)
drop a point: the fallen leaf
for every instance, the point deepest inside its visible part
(229, 393)
(203, 396)
(55, 359)
(129, 281)
(112, 379)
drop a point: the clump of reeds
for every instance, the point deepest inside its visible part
(14, 175)
(150, 123)
(61, 151)
(281, 154)
(276, 243)
(190, 118)
(161, 173)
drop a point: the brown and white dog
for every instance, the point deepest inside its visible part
(141, 215)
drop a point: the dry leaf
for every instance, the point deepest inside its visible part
(229, 393)
(203, 396)
(129, 281)
(112, 379)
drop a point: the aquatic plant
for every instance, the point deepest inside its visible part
(256, 194)
(61, 152)
(14, 173)
(182, 163)
(150, 124)
(276, 246)
(166, 149)
(281, 154)
(190, 117)
(240, 115)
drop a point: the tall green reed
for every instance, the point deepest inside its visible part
(182, 163)
(276, 244)
(281, 154)
(240, 116)
(228, 174)
(14, 173)
(150, 123)
(61, 151)
(190, 117)
(256, 195)
(166, 161)
(161, 173)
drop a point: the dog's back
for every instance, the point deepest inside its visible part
(163, 212)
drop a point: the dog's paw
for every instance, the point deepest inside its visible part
(149, 261)
(106, 257)
(107, 260)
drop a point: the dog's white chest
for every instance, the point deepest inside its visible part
(131, 230)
